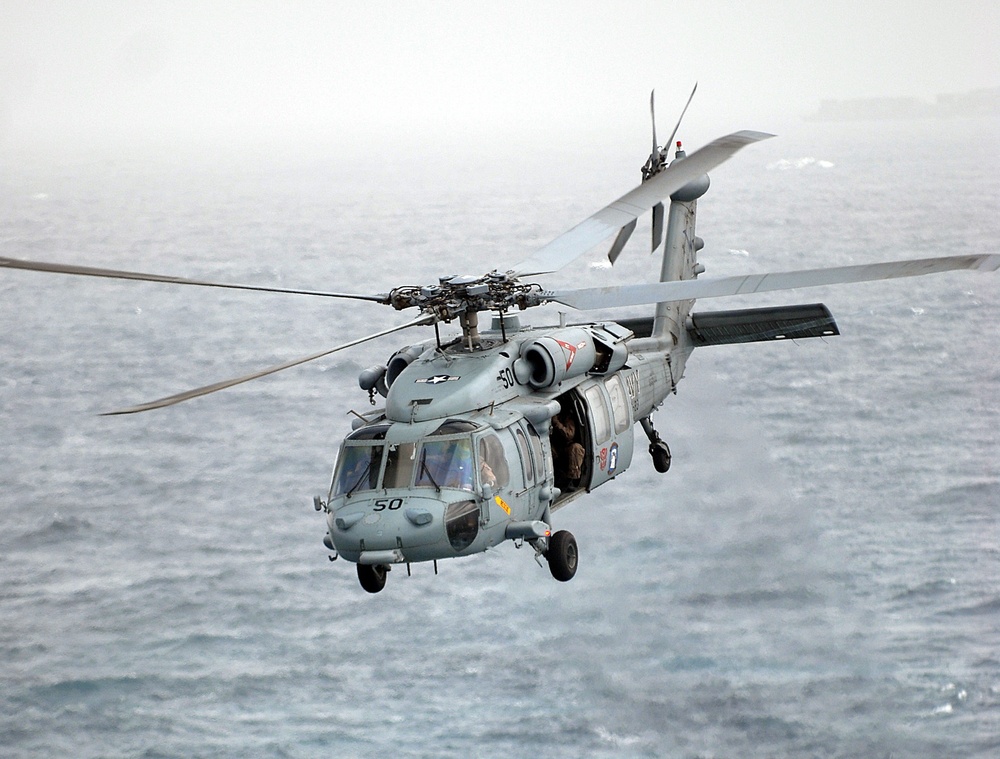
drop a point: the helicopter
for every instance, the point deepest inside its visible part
(480, 438)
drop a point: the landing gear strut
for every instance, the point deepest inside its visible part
(561, 553)
(659, 450)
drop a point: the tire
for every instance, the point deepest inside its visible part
(563, 556)
(661, 457)
(372, 576)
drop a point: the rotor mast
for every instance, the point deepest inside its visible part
(469, 321)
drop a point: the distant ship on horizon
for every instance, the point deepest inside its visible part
(980, 102)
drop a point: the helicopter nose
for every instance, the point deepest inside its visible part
(387, 530)
(418, 516)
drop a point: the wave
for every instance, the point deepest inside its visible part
(754, 597)
(926, 590)
(992, 606)
(976, 492)
(58, 528)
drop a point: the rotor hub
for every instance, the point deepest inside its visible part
(457, 295)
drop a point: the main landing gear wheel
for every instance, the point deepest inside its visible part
(372, 576)
(562, 555)
(660, 452)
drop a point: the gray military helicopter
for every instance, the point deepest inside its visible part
(482, 437)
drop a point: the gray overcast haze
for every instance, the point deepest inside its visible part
(368, 74)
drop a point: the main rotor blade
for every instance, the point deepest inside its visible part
(171, 400)
(619, 244)
(666, 292)
(601, 225)
(89, 271)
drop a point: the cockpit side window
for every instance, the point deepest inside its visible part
(492, 463)
(445, 464)
(536, 452)
(357, 468)
(526, 460)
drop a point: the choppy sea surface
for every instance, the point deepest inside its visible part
(817, 575)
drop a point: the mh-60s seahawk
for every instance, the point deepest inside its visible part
(483, 437)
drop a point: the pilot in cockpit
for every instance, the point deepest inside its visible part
(446, 464)
(486, 475)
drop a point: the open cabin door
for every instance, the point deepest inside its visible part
(592, 438)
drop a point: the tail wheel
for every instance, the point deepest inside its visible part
(563, 556)
(372, 576)
(661, 456)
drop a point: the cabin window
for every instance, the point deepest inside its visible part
(445, 464)
(357, 468)
(599, 411)
(619, 404)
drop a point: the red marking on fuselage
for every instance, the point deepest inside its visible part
(570, 352)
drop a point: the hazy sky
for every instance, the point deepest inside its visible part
(370, 71)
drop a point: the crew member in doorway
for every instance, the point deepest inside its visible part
(569, 454)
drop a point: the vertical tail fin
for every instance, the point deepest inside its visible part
(680, 250)
(680, 253)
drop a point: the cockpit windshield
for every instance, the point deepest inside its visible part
(358, 468)
(444, 459)
(445, 464)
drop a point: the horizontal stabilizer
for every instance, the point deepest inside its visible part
(754, 325)
(640, 326)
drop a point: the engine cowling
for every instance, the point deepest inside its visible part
(547, 361)
(400, 360)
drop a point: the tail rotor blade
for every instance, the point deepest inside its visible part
(657, 225)
(677, 126)
(609, 220)
(652, 117)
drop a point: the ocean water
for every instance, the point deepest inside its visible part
(817, 575)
